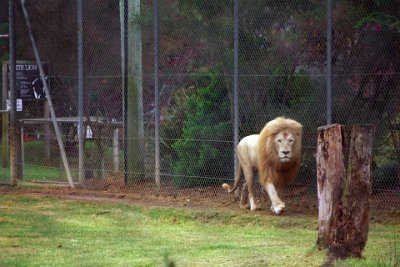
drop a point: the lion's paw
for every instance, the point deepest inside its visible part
(244, 206)
(278, 209)
(255, 207)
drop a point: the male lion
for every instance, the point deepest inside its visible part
(275, 153)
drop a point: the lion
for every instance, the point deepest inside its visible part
(275, 154)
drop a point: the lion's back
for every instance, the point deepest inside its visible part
(247, 149)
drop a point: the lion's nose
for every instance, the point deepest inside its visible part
(285, 152)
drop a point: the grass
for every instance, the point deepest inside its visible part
(35, 173)
(46, 231)
(36, 168)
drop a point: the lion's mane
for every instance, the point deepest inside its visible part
(271, 169)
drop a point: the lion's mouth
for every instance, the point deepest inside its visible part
(285, 159)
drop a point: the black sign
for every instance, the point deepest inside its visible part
(29, 85)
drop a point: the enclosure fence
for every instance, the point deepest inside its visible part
(153, 96)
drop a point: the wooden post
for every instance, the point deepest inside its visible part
(343, 200)
(330, 179)
(357, 190)
(46, 130)
(22, 155)
(115, 146)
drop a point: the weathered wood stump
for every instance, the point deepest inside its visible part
(330, 179)
(343, 200)
(358, 189)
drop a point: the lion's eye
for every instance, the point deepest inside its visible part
(291, 140)
(279, 141)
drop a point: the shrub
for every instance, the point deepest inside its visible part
(204, 154)
(307, 175)
(386, 176)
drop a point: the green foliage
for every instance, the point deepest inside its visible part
(257, 44)
(173, 122)
(386, 172)
(308, 171)
(4, 28)
(386, 152)
(301, 88)
(378, 18)
(207, 10)
(386, 176)
(203, 150)
(288, 89)
(4, 56)
(378, 14)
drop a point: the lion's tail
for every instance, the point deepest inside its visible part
(237, 179)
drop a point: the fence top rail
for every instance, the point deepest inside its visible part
(93, 119)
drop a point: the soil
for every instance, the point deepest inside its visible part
(146, 194)
(297, 201)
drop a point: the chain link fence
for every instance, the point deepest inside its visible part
(281, 72)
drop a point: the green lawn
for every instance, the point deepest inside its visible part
(46, 231)
(37, 168)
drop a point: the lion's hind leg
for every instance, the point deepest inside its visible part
(244, 197)
(249, 176)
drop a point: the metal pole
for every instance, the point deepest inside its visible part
(12, 77)
(156, 98)
(81, 129)
(125, 81)
(235, 79)
(329, 62)
(46, 89)
(5, 118)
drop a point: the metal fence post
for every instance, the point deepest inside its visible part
(124, 74)
(235, 79)
(156, 98)
(13, 115)
(80, 91)
(329, 62)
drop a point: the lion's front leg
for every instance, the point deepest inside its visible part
(278, 206)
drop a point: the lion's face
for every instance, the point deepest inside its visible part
(284, 142)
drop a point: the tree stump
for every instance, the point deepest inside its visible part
(357, 190)
(343, 200)
(330, 179)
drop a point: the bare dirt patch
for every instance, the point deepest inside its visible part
(210, 197)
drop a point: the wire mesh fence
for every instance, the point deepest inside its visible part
(281, 72)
